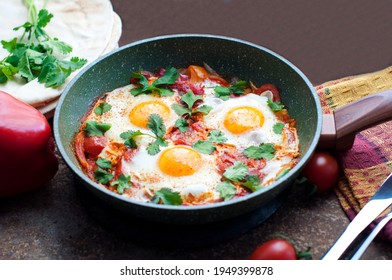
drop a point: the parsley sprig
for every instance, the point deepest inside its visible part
(159, 85)
(207, 146)
(187, 110)
(122, 183)
(275, 106)
(93, 128)
(156, 125)
(264, 150)
(36, 54)
(224, 92)
(237, 173)
(167, 196)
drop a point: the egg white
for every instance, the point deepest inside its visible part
(122, 102)
(144, 170)
(265, 134)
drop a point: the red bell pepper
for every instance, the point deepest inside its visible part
(27, 159)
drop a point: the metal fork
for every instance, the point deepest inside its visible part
(381, 200)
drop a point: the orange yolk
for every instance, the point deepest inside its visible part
(180, 161)
(244, 118)
(140, 113)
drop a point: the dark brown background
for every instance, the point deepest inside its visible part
(325, 39)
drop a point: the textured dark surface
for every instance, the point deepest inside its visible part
(325, 39)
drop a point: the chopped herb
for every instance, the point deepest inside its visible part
(170, 76)
(217, 136)
(102, 176)
(206, 146)
(224, 92)
(226, 190)
(37, 57)
(236, 172)
(128, 137)
(122, 183)
(278, 127)
(189, 99)
(266, 151)
(155, 123)
(104, 163)
(182, 124)
(252, 182)
(275, 106)
(167, 196)
(102, 108)
(94, 128)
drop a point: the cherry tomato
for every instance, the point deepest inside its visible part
(322, 170)
(275, 249)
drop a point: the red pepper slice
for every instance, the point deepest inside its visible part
(27, 159)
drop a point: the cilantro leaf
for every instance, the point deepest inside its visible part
(180, 110)
(204, 109)
(167, 196)
(217, 136)
(44, 18)
(236, 172)
(190, 98)
(102, 108)
(224, 92)
(7, 71)
(122, 183)
(94, 128)
(204, 147)
(238, 88)
(155, 123)
(128, 137)
(154, 147)
(10, 46)
(252, 182)
(226, 190)
(102, 176)
(182, 124)
(170, 76)
(278, 127)
(275, 106)
(266, 151)
(104, 163)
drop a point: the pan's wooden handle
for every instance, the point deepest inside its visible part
(339, 128)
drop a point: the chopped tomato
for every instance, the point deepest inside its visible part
(94, 145)
(219, 80)
(270, 87)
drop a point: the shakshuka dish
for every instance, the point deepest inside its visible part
(187, 137)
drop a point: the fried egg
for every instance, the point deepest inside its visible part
(180, 168)
(130, 112)
(245, 120)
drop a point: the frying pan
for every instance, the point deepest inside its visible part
(231, 58)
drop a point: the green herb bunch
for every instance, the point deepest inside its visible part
(36, 54)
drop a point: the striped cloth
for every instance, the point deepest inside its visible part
(369, 162)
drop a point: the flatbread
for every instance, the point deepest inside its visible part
(87, 25)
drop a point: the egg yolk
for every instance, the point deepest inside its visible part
(140, 113)
(241, 119)
(180, 161)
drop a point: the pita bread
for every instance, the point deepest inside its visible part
(87, 25)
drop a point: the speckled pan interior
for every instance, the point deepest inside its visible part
(229, 57)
